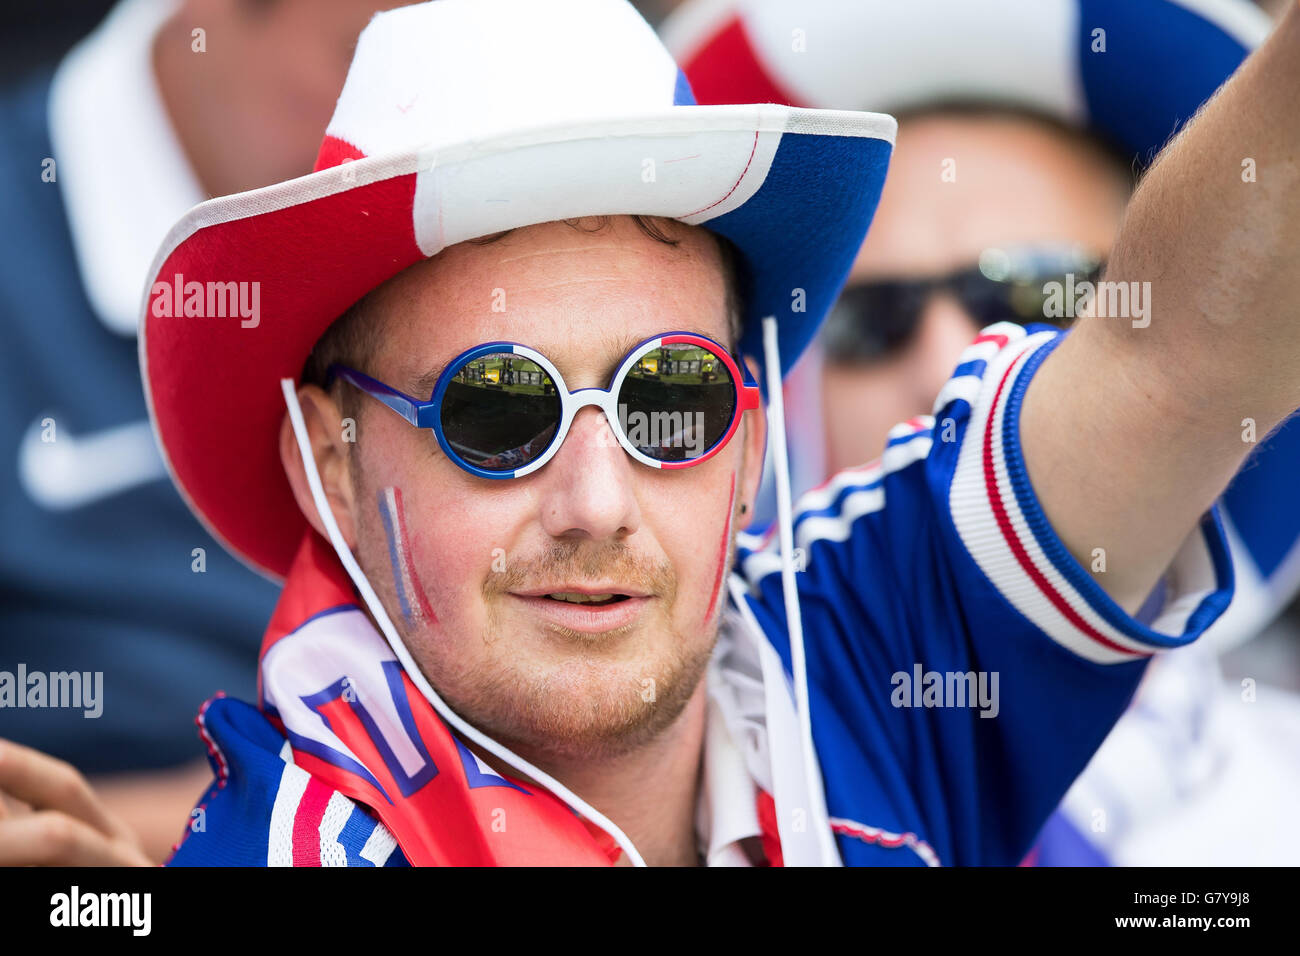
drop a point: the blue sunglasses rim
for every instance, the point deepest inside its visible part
(425, 414)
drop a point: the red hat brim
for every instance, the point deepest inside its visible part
(213, 384)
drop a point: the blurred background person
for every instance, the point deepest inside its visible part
(1022, 125)
(102, 566)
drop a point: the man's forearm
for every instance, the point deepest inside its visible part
(1133, 427)
(1215, 229)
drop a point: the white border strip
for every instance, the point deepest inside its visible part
(293, 784)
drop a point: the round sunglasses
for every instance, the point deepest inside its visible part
(502, 410)
(875, 320)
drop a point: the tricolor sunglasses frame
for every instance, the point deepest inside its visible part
(427, 414)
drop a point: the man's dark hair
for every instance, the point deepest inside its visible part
(349, 340)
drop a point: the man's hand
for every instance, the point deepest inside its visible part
(49, 816)
(155, 804)
(1131, 429)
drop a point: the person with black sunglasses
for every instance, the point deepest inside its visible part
(1005, 195)
(482, 664)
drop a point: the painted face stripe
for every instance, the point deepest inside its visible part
(723, 547)
(387, 505)
(415, 590)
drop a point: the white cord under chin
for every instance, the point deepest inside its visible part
(395, 641)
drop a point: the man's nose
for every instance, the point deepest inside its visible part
(586, 490)
(944, 329)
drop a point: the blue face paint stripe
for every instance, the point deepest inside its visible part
(386, 516)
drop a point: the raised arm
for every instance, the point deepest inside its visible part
(1135, 424)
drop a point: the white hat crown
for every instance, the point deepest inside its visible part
(451, 71)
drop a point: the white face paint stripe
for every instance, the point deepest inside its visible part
(409, 594)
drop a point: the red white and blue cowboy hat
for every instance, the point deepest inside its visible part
(1130, 71)
(462, 118)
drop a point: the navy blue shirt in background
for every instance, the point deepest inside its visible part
(107, 585)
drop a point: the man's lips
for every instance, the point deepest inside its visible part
(585, 618)
(612, 588)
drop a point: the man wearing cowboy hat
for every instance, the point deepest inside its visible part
(1022, 129)
(488, 655)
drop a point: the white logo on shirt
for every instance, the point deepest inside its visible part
(61, 471)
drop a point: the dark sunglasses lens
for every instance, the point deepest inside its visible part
(988, 300)
(1027, 284)
(677, 402)
(873, 320)
(500, 411)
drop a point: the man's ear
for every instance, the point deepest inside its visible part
(755, 451)
(330, 449)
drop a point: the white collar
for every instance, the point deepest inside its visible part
(726, 809)
(124, 178)
(735, 753)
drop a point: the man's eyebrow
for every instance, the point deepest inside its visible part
(427, 382)
(629, 342)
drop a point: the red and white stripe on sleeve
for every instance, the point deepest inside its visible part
(997, 516)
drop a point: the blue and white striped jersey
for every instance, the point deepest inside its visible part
(963, 666)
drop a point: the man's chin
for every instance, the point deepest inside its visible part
(578, 708)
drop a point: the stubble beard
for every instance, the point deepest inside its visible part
(576, 711)
(582, 708)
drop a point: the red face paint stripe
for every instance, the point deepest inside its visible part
(723, 549)
(408, 561)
